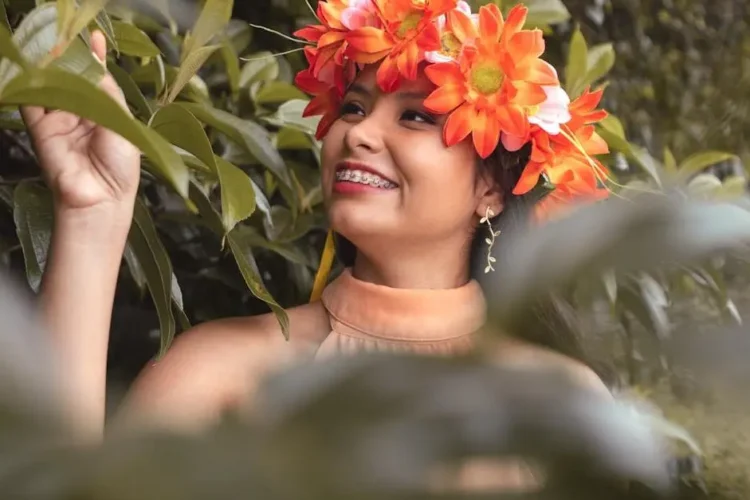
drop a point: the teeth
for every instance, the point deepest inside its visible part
(360, 177)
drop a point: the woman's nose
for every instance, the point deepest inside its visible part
(367, 135)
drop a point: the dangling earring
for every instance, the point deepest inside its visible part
(491, 240)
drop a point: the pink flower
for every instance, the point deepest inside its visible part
(455, 34)
(548, 116)
(360, 14)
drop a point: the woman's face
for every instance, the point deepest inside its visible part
(387, 173)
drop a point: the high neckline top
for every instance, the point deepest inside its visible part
(369, 317)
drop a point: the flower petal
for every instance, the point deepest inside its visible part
(529, 178)
(536, 71)
(490, 22)
(513, 120)
(462, 26)
(486, 134)
(369, 40)
(444, 74)
(458, 125)
(526, 44)
(311, 33)
(528, 94)
(388, 76)
(408, 61)
(445, 99)
(513, 143)
(515, 21)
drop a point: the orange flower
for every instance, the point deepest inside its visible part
(408, 32)
(329, 37)
(495, 82)
(567, 195)
(456, 29)
(327, 94)
(572, 150)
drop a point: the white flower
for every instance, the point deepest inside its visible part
(553, 111)
(451, 45)
(359, 14)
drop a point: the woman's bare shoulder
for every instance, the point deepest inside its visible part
(218, 365)
(514, 352)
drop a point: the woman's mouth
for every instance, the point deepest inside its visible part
(352, 177)
(363, 177)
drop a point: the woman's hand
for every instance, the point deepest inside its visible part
(87, 167)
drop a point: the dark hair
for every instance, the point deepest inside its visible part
(553, 321)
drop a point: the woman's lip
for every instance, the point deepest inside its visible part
(353, 165)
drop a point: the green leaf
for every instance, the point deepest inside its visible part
(66, 12)
(237, 194)
(232, 64)
(546, 12)
(290, 113)
(132, 41)
(613, 125)
(213, 18)
(599, 62)
(53, 88)
(188, 69)
(33, 214)
(704, 186)
(8, 48)
(700, 161)
(733, 187)
(575, 70)
(37, 35)
(249, 270)
(104, 22)
(133, 94)
(285, 250)
(157, 268)
(134, 267)
(182, 128)
(243, 256)
(670, 164)
(254, 138)
(87, 12)
(276, 92)
(262, 67)
(4, 17)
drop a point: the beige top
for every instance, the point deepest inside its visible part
(369, 317)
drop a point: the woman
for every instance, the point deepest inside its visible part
(408, 186)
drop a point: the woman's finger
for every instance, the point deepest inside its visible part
(108, 84)
(31, 115)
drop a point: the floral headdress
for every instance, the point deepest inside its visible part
(489, 78)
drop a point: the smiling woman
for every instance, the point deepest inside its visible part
(419, 159)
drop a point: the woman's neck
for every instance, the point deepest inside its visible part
(435, 268)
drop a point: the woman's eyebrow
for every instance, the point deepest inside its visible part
(412, 95)
(359, 89)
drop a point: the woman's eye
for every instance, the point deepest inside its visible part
(419, 117)
(351, 108)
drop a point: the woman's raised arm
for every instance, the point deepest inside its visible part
(93, 174)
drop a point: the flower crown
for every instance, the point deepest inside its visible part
(490, 82)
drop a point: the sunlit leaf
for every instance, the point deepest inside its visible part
(242, 252)
(704, 186)
(700, 161)
(57, 89)
(544, 12)
(104, 23)
(179, 126)
(157, 268)
(232, 64)
(670, 164)
(254, 138)
(599, 62)
(276, 92)
(132, 41)
(37, 35)
(188, 69)
(8, 47)
(213, 18)
(575, 69)
(249, 269)
(86, 12)
(33, 214)
(133, 94)
(261, 67)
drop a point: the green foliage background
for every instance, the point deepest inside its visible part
(229, 219)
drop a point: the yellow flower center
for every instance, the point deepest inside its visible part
(410, 22)
(450, 45)
(487, 78)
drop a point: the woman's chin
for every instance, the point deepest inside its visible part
(358, 223)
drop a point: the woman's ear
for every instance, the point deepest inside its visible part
(490, 196)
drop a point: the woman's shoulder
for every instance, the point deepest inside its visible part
(218, 364)
(513, 352)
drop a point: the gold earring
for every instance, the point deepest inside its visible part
(488, 214)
